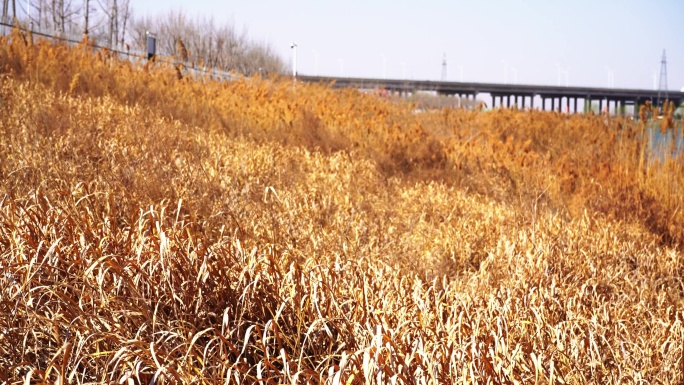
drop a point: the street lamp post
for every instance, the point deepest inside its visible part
(294, 59)
(611, 77)
(515, 75)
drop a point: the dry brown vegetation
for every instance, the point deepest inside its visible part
(157, 228)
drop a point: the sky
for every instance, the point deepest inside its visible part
(597, 43)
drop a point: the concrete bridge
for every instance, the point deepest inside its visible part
(506, 95)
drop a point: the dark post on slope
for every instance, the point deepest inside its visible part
(151, 45)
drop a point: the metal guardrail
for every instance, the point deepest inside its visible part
(135, 56)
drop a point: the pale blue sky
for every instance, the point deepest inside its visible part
(589, 43)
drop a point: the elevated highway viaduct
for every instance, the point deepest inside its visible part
(506, 95)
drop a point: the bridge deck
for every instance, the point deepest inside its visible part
(627, 96)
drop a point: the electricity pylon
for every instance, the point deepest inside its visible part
(662, 86)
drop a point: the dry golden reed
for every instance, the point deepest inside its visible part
(164, 230)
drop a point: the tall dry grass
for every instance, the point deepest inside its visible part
(157, 229)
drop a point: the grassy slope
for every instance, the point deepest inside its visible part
(253, 230)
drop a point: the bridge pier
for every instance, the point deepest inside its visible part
(615, 106)
(562, 109)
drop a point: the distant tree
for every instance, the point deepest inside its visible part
(55, 16)
(95, 21)
(117, 14)
(86, 11)
(111, 23)
(5, 11)
(63, 12)
(202, 42)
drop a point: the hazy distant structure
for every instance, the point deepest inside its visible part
(662, 86)
(444, 68)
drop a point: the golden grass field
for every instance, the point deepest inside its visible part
(159, 228)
